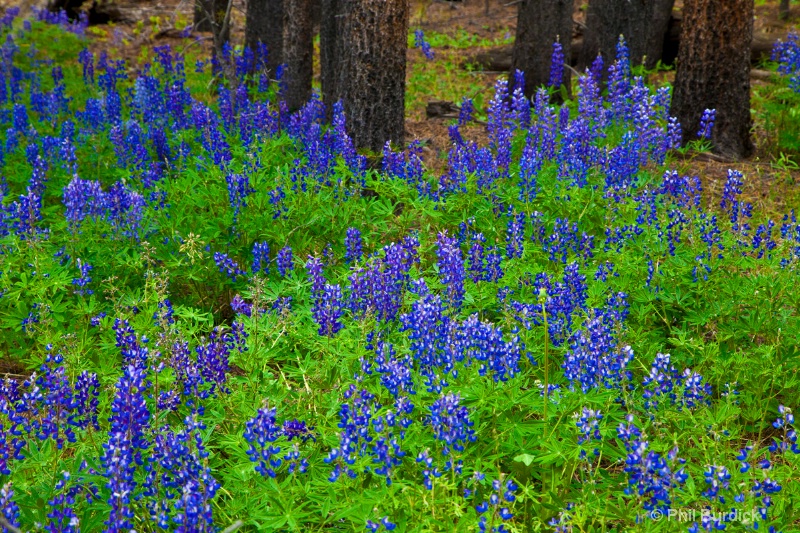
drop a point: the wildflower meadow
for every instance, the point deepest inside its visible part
(217, 314)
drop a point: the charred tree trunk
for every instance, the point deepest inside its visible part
(539, 24)
(643, 23)
(714, 73)
(202, 13)
(783, 10)
(330, 44)
(298, 52)
(264, 24)
(369, 64)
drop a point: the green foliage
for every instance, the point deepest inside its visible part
(738, 328)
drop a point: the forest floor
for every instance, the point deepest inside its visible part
(460, 30)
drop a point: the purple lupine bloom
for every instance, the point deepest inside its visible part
(451, 268)
(315, 275)
(85, 400)
(212, 358)
(353, 245)
(297, 429)
(238, 190)
(285, 261)
(451, 424)
(515, 234)
(52, 395)
(181, 456)
(557, 66)
(122, 452)
(707, 123)
(421, 43)
(327, 310)
(260, 258)
(228, 266)
(277, 199)
(9, 507)
(62, 515)
(84, 279)
(476, 258)
(466, 111)
(83, 198)
(650, 475)
(261, 432)
(521, 104)
(588, 423)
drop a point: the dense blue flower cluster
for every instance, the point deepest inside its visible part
(651, 477)
(261, 432)
(686, 389)
(379, 286)
(451, 424)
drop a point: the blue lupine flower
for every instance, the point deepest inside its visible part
(588, 424)
(421, 43)
(327, 310)
(238, 190)
(451, 268)
(515, 234)
(284, 261)
(707, 123)
(84, 279)
(557, 66)
(8, 506)
(126, 442)
(261, 433)
(353, 245)
(451, 424)
(228, 266)
(260, 258)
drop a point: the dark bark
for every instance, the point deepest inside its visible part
(208, 13)
(372, 36)
(330, 43)
(265, 24)
(201, 21)
(298, 52)
(539, 24)
(783, 10)
(714, 73)
(643, 23)
(97, 12)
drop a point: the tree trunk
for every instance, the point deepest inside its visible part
(298, 52)
(783, 10)
(643, 23)
(202, 22)
(264, 24)
(330, 42)
(714, 73)
(369, 59)
(539, 24)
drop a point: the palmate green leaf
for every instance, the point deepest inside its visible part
(525, 458)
